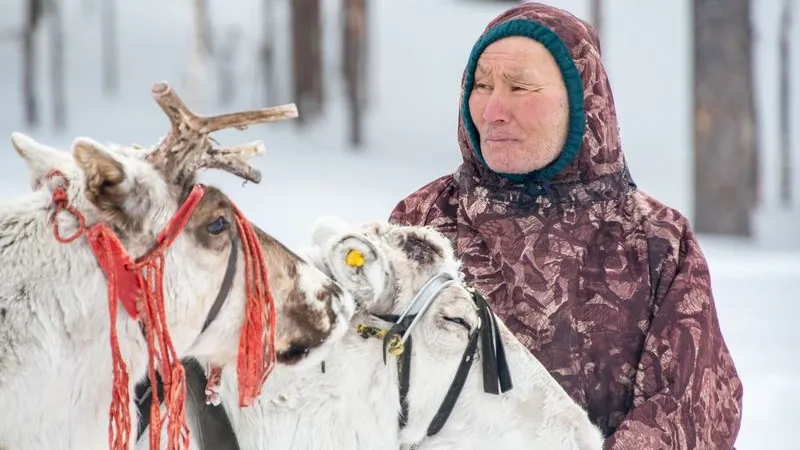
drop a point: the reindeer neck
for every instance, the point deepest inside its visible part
(54, 299)
(58, 286)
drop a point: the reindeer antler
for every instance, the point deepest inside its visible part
(188, 146)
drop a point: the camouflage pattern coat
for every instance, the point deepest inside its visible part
(604, 284)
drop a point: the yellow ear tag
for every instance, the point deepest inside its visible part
(354, 258)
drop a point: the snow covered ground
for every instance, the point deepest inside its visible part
(419, 49)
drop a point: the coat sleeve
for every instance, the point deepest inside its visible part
(687, 393)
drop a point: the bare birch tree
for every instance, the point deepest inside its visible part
(725, 138)
(196, 75)
(58, 90)
(355, 65)
(785, 62)
(307, 58)
(33, 14)
(225, 59)
(109, 45)
(596, 15)
(266, 51)
(209, 46)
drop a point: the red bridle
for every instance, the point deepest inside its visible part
(138, 284)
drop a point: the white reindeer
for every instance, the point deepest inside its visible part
(57, 369)
(354, 403)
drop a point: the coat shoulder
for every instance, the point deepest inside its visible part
(415, 208)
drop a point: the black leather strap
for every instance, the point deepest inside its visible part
(493, 356)
(450, 399)
(213, 425)
(213, 422)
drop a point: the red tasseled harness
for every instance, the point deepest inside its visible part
(138, 285)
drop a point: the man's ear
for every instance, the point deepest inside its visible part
(105, 176)
(39, 158)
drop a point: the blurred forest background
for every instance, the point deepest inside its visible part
(706, 92)
(727, 146)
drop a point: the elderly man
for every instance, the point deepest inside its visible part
(604, 284)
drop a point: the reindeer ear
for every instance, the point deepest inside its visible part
(326, 227)
(358, 265)
(40, 158)
(104, 174)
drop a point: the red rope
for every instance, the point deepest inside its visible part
(164, 358)
(256, 357)
(161, 351)
(61, 200)
(144, 277)
(119, 428)
(142, 282)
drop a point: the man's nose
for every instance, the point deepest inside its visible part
(496, 108)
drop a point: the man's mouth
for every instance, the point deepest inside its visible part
(498, 140)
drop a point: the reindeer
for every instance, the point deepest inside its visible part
(406, 282)
(115, 226)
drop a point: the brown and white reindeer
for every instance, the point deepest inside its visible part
(465, 383)
(119, 264)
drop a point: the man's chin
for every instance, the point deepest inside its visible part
(508, 167)
(504, 162)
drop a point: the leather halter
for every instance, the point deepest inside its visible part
(217, 432)
(496, 374)
(209, 416)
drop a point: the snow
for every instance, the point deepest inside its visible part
(417, 56)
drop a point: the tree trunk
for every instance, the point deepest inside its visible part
(355, 69)
(225, 57)
(784, 59)
(267, 52)
(596, 15)
(307, 58)
(33, 15)
(196, 76)
(209, 46)
(57, 65)
(725, 142)
(110, 50)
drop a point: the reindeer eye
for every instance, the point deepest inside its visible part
(459, 321)
(219, 225)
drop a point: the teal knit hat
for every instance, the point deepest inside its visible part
(572, 79)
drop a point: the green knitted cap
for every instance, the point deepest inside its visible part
(572, 79)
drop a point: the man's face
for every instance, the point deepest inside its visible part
(519, 106)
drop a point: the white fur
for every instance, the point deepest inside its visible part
(355, 403)
(55, 359)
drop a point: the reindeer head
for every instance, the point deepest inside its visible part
(136, 192)
(384, 266)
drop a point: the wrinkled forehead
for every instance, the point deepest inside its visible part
(519, 60)
(519, 55)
